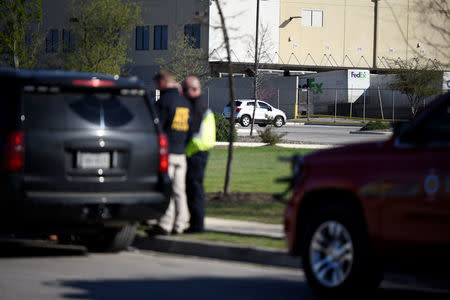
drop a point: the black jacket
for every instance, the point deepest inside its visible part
(198, 110)
(174, 113)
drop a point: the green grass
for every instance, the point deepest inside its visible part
(256, 212)
(253, 169)
(238, 239)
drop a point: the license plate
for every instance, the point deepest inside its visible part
(88, 160)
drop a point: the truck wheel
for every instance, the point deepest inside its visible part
(336, 253)
(279, 121)
(111, 240)
(245, 120)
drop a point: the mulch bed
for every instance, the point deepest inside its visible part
(240, 198)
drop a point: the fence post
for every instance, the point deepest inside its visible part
(335, 106)
(278, 97)
(296, 98)
(208, 97)
(381, 104)
(393, 107)
(307, 104)
(364, 107)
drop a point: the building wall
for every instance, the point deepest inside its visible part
(174, 13)
(346, 30)
(241, 22)
(346, 37)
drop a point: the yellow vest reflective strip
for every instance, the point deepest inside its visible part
(205, 139)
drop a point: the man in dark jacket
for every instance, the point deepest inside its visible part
(174, 112)
(197, 161)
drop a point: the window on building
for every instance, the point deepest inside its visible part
(160, 37)
(312, 17)
(142, 37)
(68, 41)
(192, 32)
(51, 42)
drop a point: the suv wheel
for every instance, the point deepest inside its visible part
(336, 253)
(111, 240)
(279, 121)
(245, 120)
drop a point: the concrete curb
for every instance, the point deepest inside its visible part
(222, 251)
(295, 124)
(333, 124)
(371, 132)
(296, 146)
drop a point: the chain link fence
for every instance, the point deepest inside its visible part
(334, 104)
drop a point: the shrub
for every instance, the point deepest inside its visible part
(223, 129)
(377, 125)
(270, 137)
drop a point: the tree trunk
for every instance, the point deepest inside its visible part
(255, 80)
(226, 188)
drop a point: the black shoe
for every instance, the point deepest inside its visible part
(157, 230)
(194, 230)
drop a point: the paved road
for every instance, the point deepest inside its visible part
(321, 134)
(72, 274)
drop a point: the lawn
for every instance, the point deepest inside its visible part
(238, 239)
(253, 170)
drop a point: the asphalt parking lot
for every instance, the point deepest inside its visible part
(56, 272)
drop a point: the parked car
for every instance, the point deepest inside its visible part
(82, 156)
(264, 114)
(359, 210)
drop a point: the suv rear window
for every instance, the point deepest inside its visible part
(84, 111)
(238, 103)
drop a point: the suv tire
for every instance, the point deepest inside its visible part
(336, 253)
(278, 121)
(111, 240)
(245, 120)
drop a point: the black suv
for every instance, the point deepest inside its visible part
(81, 156)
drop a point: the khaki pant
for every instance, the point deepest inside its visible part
(177, 215)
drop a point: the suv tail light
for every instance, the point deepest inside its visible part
(163, 153)
(94, 82)
(15, 152)
(238, 110)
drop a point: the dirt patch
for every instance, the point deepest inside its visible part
(240, 198)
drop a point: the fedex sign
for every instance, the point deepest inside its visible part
(358, 74)
(357, 82)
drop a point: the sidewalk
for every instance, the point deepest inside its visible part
(296, 146)
(244, 228)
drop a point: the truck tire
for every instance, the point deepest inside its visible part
(111, 240)
(336, 254)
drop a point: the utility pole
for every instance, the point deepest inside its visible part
(255, 78)
(375, 29)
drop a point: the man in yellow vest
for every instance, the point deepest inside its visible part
(203, 139)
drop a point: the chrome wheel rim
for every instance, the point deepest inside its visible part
(331, 254)
(279, 122)
(245, 121)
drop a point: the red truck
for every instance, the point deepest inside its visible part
(358, 206)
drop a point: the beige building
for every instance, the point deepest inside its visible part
(305, 34)
(344, 32)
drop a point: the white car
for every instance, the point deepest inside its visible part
(264, 114)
